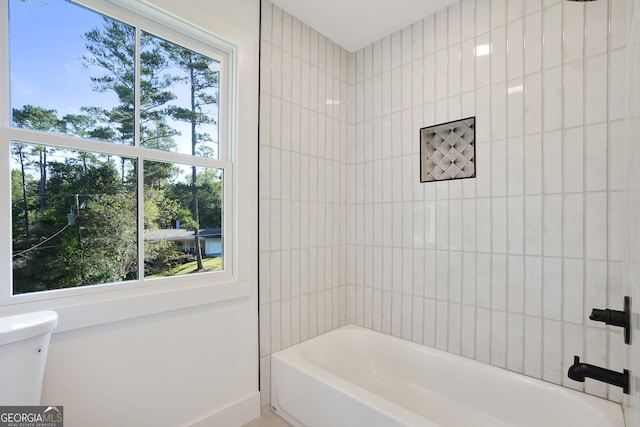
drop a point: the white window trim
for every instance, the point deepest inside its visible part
(99, 304)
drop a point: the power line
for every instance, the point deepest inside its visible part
(41, 243)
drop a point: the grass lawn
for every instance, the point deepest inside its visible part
(209, 264)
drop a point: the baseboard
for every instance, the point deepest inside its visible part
(237, 413)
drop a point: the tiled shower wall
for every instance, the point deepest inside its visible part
(303, 188)
(503, 268)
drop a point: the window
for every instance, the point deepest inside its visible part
(118, 137)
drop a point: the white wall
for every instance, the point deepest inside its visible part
(504, 268)
(196, 364)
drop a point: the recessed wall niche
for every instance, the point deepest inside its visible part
(447, 151)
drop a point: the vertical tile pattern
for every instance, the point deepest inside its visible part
(304, 175)
(503, 268)
(513, 260)
(632, 184)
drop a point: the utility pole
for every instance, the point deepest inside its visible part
(77, 219)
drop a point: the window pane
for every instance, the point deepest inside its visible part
(74, 218)
(182, 221)
(180, 99)
(71, 71)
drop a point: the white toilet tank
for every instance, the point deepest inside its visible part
(24, 342)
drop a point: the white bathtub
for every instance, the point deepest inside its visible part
(357, 377)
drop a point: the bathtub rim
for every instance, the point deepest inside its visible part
(293, 357)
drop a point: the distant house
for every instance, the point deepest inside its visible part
(210, 239)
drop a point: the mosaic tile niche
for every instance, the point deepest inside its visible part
(447, 151)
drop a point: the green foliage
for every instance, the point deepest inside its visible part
(75, 220)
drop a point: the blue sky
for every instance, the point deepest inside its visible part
(46, 51)
(46, 47)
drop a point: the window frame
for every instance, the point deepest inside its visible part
(157, 294)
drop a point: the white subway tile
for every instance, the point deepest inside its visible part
(455, 224)
(483, 61)
(483, 16)
(498, 55)
(516, 285)
(467, 335)
(533, 225)
(441, 25)
(552, 225)
(483, 287)
(442, 275)
(498, 111)
(617, 82)
(275, 332)
(533, 286)
(418, 273)
(533, 344)
(573, 225)
(533, 164)
(483, 175)
(469, 224)
(454, 23)
(442, 224)
(515, 216)
(573, 291)
(515, 47)
(468, 66)
(499, 225)
(515, 342)
(617, 25)
(442, 325)
(552, 356)
(533, 41)
(515, 108)
(454, 327)
(617, 155)
(469, 278)
(499, 282)
(455, 277)
(552, 36)
(429, 35)
(498, 168)
(573, 16)
(552, 96)
(596, 172)
(533, 104)
(552, 288)
(597, 29)
(595, 96)
(407, 271)
(498, 12)
(455, 64)
(483, 335)
(573, 163)
(617, 225)
(483, 116)
(552, 162)
(467, 16)
(483, 212)
(429, 322)
(417, 321)
(499, 338)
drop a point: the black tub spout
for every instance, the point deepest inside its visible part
(579, 371)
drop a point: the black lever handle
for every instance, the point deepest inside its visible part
(616, 318)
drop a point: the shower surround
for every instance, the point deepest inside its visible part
(503, 268)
